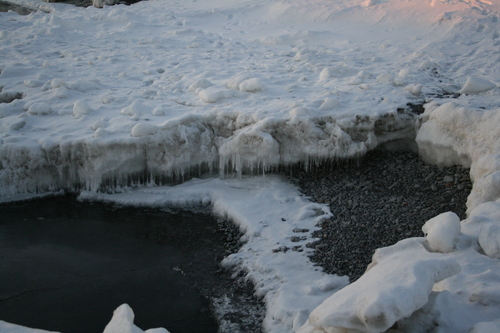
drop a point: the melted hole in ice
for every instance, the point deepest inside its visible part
(377, 201)
(87, 259)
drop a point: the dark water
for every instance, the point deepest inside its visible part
(66, 265)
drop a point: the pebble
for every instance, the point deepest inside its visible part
(377, 201)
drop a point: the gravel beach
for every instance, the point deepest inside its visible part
(376, 201)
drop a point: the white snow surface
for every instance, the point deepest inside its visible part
(118, 97)
(365, 307)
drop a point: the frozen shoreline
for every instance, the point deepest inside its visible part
(121, 96)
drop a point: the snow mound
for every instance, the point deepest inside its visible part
(442, 232)
(137, 108)
(476, 85)
(200, 84)
(123, 322)
(81, 108)
(489, 239)
(339, 71)
(251, 85)
(214, 94)
(143, 129)
(240, 82)
(486, 327)
(396, 284)
(235, 81)
(329, 104)
(40, 109)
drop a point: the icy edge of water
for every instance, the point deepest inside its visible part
(194, 145)
(277, 222)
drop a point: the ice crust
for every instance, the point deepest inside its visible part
(119, 100)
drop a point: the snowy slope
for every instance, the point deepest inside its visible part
(105, 98)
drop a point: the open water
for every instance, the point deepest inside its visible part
(66, 265)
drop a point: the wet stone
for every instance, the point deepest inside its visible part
(377, 201)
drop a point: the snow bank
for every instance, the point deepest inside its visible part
(396, 284)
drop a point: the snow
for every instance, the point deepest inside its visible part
(81, 108)
(142, 129)
(12, 328)
(396, 284)
(442, 232)
(123, 322)
(120, 99)
(476, 85)
(486, 327)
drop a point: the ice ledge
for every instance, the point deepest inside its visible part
(193, 145)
